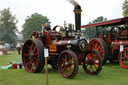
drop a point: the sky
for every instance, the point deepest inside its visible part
(59, 11)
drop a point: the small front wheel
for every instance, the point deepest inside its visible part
(123, 58)
(68, 64)
(92, 62)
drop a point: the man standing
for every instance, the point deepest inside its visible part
(46, 28)
(18, 46)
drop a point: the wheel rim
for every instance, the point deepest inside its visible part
(124, 60)
(67, 64)
(30, 57)
(92, 62)
(100, 46)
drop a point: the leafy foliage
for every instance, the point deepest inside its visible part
(8, 27)
(33, 23)
(91, 32)
(125, 8)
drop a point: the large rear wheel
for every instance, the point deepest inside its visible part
(92, 62)
(99, 45)
(68, 64)
(33, 55)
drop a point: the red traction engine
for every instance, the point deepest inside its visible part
(110, 42)
(67, 50)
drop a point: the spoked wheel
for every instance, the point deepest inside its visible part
(123, 58)
(33, 55)
(92, 62)
(68, 64)
(99, 45)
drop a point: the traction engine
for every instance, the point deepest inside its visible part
(110, 42)
(67, 50)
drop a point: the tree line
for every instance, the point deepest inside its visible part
(8, 28)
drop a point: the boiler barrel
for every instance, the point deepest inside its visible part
(118, 43)
(77, 44)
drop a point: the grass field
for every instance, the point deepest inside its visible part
(110, 75)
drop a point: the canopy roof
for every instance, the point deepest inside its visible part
(119, 21)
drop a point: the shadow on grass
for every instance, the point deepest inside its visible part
(50, 70)
(111, 64)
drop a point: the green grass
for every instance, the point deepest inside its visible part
(110, 75)
(5, 59)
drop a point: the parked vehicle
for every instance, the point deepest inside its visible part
(109, 42)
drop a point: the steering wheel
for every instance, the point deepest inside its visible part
(34, 35)
(115, 29)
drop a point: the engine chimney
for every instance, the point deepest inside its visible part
(77, 11)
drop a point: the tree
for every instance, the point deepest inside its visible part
(8, 27)
(91, 32)
(125, 8)
(99, 19)
(32, 24)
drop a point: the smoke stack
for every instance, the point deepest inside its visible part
(77, 11)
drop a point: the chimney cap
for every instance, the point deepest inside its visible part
(77, 7)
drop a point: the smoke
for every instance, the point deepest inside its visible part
(73, 2)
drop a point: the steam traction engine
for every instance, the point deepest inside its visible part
(67, 50)
(109, 42)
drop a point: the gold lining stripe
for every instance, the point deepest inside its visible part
(69, 41)
(77, 11)
(53, 53)
(60, 42)
(121, 42)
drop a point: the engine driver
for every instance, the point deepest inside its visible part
(45, 28)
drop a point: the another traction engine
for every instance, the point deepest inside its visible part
(108, 43)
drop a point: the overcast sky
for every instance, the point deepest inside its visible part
(59, 11)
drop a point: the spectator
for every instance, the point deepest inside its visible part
(18, 46)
